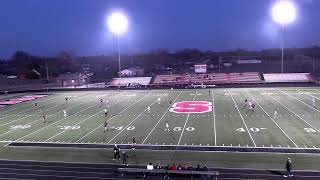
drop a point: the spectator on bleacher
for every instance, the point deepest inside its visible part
(179, 167)
(150, 166)
(173, 167)
(190, 167)
(198, 168)
(205, 168)
(158, 166)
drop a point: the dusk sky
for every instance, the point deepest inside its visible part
(46, 27)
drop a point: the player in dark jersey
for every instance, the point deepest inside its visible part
(35, 105)
(101, 102)
(105, 126)
(44, 118)
(66, 99)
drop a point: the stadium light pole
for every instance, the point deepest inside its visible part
(118, 25)
(283, 12)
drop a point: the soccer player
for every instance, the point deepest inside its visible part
(66, 100)
(133, 143)
(105, 126)
(35, 105)
(159, 101)
(44, 118)
(275, 114)
(148, 109)
(225, 92)
(245, 102)
(253, 106)
(105, 112)
(101, 102)
(170, 102)
(250, 104)
(167, 126)
(64, 113)
(107, 103)
(313, 102)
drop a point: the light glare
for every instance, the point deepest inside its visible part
(284, 12)
(117, 23)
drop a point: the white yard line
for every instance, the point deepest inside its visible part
(56, 121)
(294, 113)
(110, 119)
(242, 119)
(81, 121)
(131, 122)
(160, 119)
(273, 120)
(299, 100)
(184, 126)
(214, 120)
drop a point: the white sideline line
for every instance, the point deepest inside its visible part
(160, 120)
(56, 121)
(214, 120)
(299, 100)
(186, 121)
(273, 120)
(109, 119)
(81, 121)
(242, 119)
(40, 119)
(295, 114)
(131, 122)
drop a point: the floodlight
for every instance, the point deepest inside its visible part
(284, 12)
(117, 23)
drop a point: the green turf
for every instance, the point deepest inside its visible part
(297, 124)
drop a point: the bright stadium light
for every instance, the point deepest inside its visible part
(283, 12)
(118, 24)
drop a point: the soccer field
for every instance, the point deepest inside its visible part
(216, 119)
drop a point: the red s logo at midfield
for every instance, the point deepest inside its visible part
(191, 107)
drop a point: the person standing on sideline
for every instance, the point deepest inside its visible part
(124, 158)
(288, 168)
(116, 152)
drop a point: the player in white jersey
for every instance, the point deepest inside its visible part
(225, 92)
(250, 104)
(275, 114)
(167, 126)
(313, 102)
(105, 112)
(148, 109)
(107, 103)
(64, 113)
(159, 100)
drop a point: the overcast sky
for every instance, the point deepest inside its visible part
(45, 27)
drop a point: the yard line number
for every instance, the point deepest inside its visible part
(69, 127)
(253, 129)
(20, 126)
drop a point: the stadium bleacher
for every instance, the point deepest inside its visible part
(210, 78)
(288, 77)
(130, 81)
